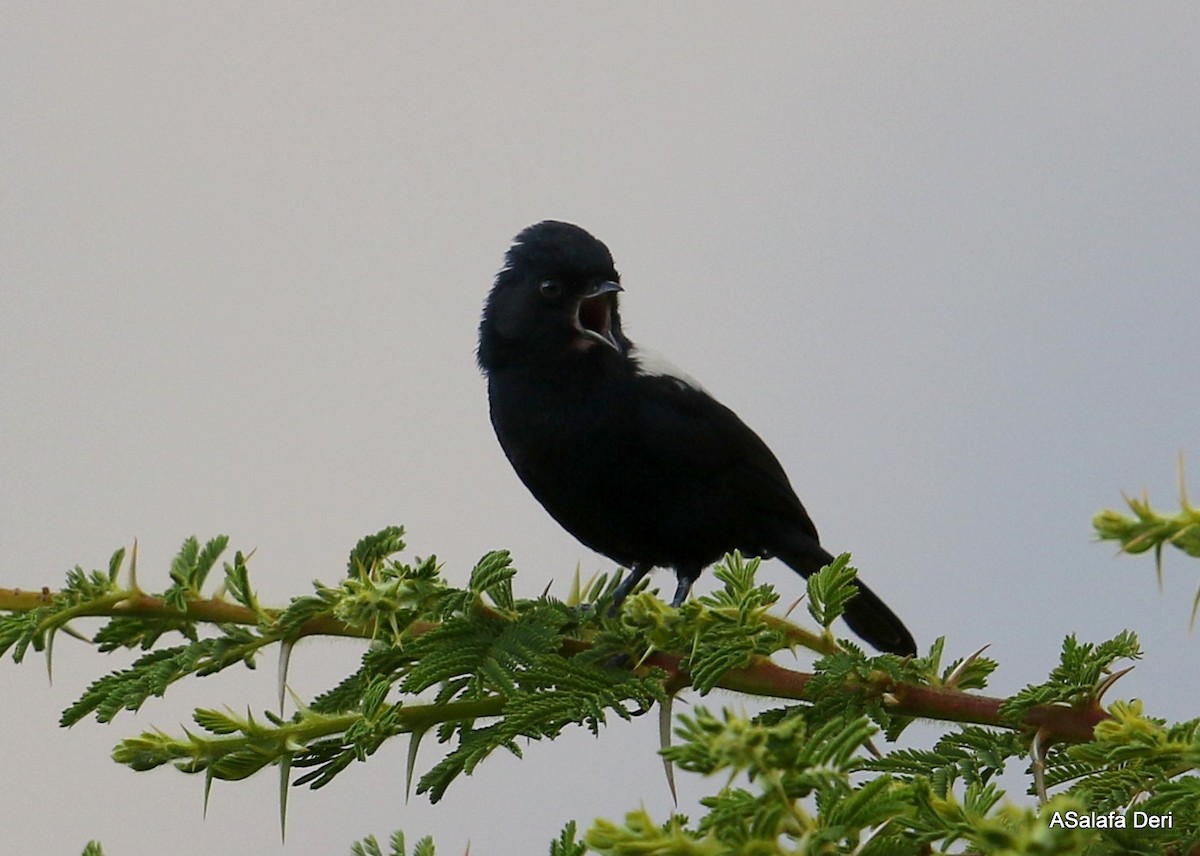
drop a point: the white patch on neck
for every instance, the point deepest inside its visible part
(652, 363)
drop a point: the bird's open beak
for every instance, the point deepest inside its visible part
(594, 315)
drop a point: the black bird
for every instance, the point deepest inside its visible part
(646, 468)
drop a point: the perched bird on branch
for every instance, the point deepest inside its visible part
(639, 464)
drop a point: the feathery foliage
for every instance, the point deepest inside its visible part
(478, 668)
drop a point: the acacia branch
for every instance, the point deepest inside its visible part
(137, 604)
(765, 678)
(1058, 722)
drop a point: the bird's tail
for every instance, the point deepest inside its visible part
(867, 615)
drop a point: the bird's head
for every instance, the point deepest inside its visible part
(556, 293)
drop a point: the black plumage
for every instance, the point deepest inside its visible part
(645, 468)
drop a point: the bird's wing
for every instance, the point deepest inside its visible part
(684, 431)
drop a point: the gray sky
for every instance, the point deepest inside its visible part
(942, 257)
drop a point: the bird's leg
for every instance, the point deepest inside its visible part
(686, 579)
(636, 574)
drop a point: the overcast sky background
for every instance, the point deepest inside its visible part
(942, 257)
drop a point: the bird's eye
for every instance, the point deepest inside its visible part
(550, 289)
